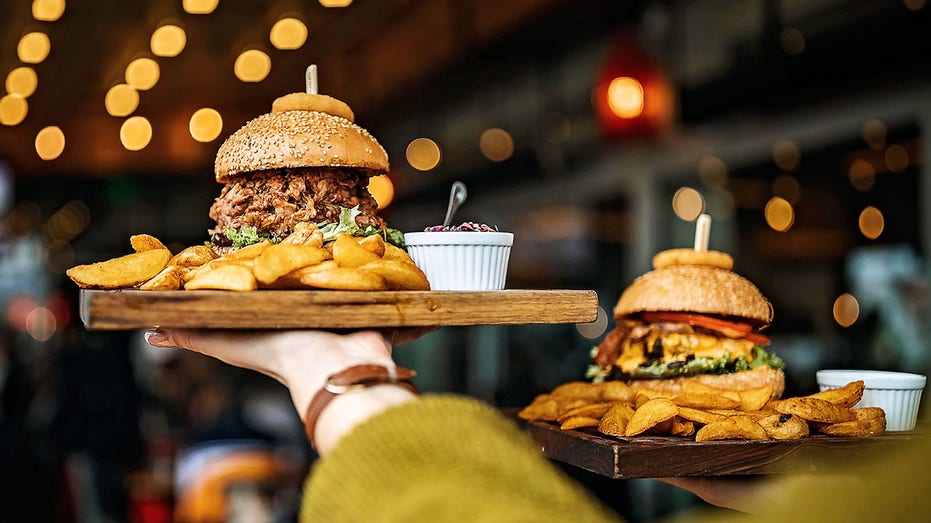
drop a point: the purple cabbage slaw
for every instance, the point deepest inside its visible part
(465, 227)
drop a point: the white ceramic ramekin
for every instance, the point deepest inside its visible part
(461, 260)
(898, 393)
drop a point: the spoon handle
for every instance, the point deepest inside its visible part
(457, 195)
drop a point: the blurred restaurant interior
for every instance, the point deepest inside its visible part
(595, 130)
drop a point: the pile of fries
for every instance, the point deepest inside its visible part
(705, 413)
(300, 261)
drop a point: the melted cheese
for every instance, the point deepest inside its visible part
(680, 347)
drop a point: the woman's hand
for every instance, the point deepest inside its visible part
(301, 360)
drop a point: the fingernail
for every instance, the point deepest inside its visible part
(156, 338)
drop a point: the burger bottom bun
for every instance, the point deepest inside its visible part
(734, 381)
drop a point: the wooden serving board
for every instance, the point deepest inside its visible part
(668, 456)
(285, 309)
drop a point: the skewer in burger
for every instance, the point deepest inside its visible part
(305, 161)
(690, 319)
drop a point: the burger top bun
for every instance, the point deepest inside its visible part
(293, 136)
(701, 289)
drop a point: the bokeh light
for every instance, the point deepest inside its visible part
(142, 74)
(914, 5)
(168, 40)
(50, 142)
(335, 3)
(48, 10)
(779, 214)
(199, 7)
(792, 41)
(874, 134)
(846, 310)
(382, 189)
(18, 309)
(121, 100)
(423, 154)
(59, 257)
(871, 222)
(41, 324)
(787, 187)
(252, 66)
(596, 328)
(896, 158)
(205, 125)
(625, 97)
(786, 155)
(33, 48)
(862, 175)
(135, 133)
(713, 171)
(13, 109)
(22, 81)
(688, 203)
(288, 33)
(496, 144)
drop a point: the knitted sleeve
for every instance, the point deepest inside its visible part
(443, 459)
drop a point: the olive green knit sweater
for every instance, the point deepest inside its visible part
(443, 458)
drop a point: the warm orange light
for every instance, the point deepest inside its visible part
(288, 33)
(862, 175)
(382, 189)
(874, 134)
(787, 187)
(13, 109)
(423, 154)
(496, 144)
(779, 214)
(50, 143)
(896, 158)
(22, 81)
(786, 155)
(206, 125)
(846, 310)
(199, 7)
(335, 3)
(688, 203)
(48, 10)
(41, 324)
(625, 97)
(142, 74)
(33, 48)
(713, 171)
(135, 133)
(121, 100)
(252, 66)
(168, 40)
(792, 41)
(871, 222)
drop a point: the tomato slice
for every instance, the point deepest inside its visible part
(731, 329)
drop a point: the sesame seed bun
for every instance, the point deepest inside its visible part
(696, 288)
(295, 138)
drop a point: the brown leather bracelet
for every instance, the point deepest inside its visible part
(354, 378)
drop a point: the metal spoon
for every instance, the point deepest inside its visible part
(457, 195)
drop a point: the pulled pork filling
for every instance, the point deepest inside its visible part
(274, 201)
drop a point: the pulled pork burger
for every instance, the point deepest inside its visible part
(691, 318)
(305, 161)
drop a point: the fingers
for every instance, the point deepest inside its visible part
(398, 336)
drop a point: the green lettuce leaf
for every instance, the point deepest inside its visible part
(246, 236)
(347, 225)
(720, 365)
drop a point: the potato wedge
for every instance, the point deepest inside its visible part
(705, 400)
(703, 417)
(543, 407)
(681, 427)
(399, 275)
(345, 278)
(578, 422)
(348, 253)
(145, 242)
(229, 277)
(870, 421)
(373, 243)
(578, 389)
(755, 399)
(615, 391)
(784, 426)
(305, 233)
(733, 427)
(122, 272)
(193, 256)
(277, 260)
(247, 253)
(592, 410)
(169, 279)
(393, 252)
(654, 411)
(814, 409)
(614, 422)
(846, 396)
